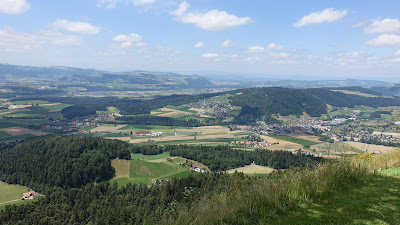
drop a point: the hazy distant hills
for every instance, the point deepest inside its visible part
(137, 80)
(70, 77)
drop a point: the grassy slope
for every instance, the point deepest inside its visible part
(378, 202)
(9, 192)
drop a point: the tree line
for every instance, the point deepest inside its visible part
(222, 158)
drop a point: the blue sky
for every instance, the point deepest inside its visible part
(302, 39)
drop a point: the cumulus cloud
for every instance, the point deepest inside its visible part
(383, 26)
(210, 55)
(385, 40)
(269, 48)
(13, 41)
(227, 43)
(397, 53)
(128, 38)
(14, 7)
(199, 45)
(213, 20)
(76, 27)
(325, 16)
(255, 49)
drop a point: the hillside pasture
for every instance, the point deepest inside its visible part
(283, 145)
(11, 193)
(377, 149)
(252, 169)
(337, 148)
(143, 172)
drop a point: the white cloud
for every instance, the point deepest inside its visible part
(255, 49)
(199, 45)
(107, 3)
(385, 40)
(128, 38)
(143, 2)
(383, 26)
(210, 55)
(397, 53)
(213, 20)
(12, 41)
(227, 43)
(274, 46)
(269, 48)
(126, 44)
(76, 27)
(327, 15)
(14, 7)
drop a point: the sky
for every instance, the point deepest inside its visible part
(311, 39)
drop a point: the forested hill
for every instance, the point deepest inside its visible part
(261, 103)
(339, 99)
(63, 161)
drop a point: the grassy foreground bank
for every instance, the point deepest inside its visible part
(350, 191)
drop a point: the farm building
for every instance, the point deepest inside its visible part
(30, 195)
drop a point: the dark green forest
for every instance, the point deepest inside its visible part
(63, 161)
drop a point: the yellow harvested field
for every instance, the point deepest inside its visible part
(283, 145)
(122, 167)
(24, 106)
(306, 137)
(163, 159)
(3, 90)
(19, 131)
(206, 129)
(253, 169)
(371, 148)
(207, 116)
(50, 104)
(154, 113)
(119, 138)
(397, 135)
(173, 112)
(107, 128)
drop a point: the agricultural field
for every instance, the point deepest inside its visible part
(140, 171)
(252, 169)
(377, 149)
(293, 139)
(356, 93)
(307, 137)
(283, 145)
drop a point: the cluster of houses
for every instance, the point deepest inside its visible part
(251, 144)
(213, 108)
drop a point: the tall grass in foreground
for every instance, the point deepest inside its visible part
(250, 201)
